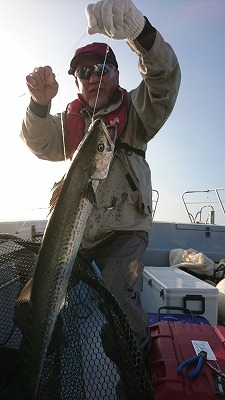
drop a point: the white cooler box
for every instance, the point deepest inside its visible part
(172, 287)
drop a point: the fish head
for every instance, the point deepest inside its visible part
(103, 146)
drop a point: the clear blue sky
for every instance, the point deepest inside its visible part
(188, 152)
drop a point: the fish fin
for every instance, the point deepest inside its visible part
(56, 190)
(90, 194)
(25, 293)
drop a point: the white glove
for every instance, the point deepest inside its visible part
(117, 19)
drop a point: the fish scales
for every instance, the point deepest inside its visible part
(60, 245)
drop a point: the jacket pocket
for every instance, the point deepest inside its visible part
(138, 176)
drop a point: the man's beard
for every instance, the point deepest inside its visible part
(97, 102)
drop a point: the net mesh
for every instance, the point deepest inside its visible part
(92, 354)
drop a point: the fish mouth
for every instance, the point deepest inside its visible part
(105, 153)
(109, 130)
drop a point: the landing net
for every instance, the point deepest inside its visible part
(92, 354)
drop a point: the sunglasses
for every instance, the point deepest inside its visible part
(97, 69)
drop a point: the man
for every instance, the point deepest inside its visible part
(116, 235)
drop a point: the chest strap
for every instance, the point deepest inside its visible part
(129, 149)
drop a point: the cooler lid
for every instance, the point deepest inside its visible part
(175, 281)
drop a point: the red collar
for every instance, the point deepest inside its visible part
(75, 123)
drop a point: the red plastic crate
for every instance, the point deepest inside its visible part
(171, 345)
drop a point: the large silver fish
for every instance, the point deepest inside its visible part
(60, 245)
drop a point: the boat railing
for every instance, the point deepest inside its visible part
(36, 236)
(210, 201)
(155, 199)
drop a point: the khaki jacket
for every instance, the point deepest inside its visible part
(122, 204)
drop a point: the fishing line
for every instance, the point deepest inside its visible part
(59, 93)
(59, 68)
(96, 100)
(61, 121)
(61, 63)
(68, 54)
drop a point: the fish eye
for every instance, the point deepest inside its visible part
(101, 147)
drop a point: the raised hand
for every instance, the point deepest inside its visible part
(117, 19)
(42, 85)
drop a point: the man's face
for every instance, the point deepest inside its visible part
(89, 88)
